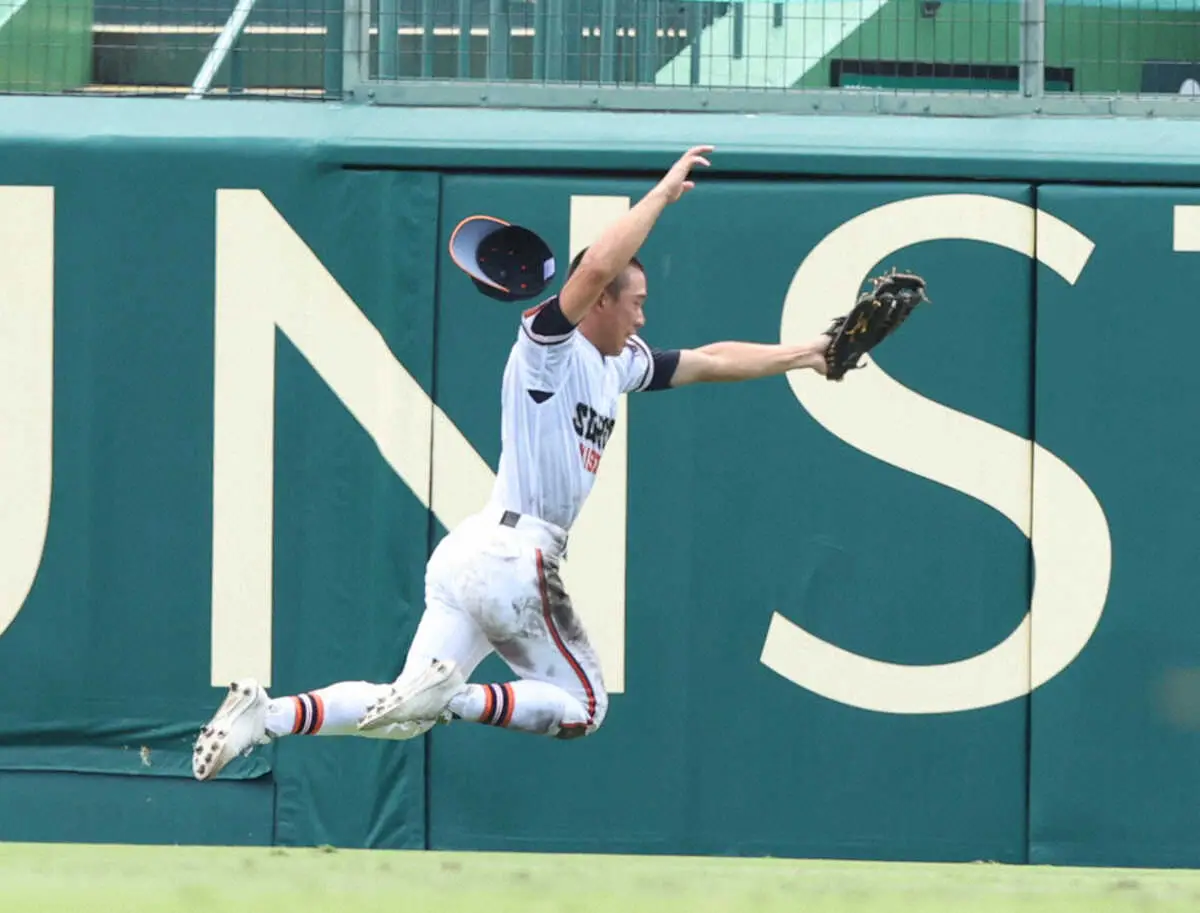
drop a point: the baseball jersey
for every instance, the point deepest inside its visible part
(558, 409)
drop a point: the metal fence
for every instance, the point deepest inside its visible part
(958, 56)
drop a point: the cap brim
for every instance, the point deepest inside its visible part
(464, 245)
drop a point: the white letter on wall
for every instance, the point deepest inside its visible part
(267, 277)
(878, 415)
(595, 575)
(26, 388)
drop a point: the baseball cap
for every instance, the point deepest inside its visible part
(505, 261)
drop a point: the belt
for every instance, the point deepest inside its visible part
(511, 519)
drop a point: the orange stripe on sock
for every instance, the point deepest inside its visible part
(299, 721)
(512, 702)
(320, 705)
(489, 705)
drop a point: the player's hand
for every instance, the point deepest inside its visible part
(676, 182)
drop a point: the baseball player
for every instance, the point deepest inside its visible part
(493, 583)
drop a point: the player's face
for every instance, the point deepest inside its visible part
(625, 312)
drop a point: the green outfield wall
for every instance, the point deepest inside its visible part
(943, 610)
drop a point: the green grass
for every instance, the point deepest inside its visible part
(50, 878)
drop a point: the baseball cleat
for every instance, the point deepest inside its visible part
(421, 700)
(239, 725)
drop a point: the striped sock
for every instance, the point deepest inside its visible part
(526, 706)
(334, 710)
(308, 713)
(491, 705)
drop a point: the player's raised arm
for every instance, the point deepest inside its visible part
(732, 361)
(608, 257)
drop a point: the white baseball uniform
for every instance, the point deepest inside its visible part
(493, 582)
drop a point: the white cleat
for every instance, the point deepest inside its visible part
(422, 700)
(239, 725)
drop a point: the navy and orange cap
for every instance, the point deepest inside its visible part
(505, 261)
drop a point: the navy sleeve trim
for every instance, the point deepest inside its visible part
(549, 321)
(665, 363)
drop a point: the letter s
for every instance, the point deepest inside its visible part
(880, 416)
(26, 388)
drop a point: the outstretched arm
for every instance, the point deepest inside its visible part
(731, 361)
(612, 252)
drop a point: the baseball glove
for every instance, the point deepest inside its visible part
(875, 316)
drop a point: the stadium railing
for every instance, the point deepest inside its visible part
(925, 56)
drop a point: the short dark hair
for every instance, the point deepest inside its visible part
(614, 287)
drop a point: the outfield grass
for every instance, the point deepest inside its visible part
(102, 879)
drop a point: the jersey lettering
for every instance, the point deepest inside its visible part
(592, 426)
(591, 458)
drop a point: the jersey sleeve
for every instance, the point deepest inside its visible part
(544, 346)
(644, 369)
